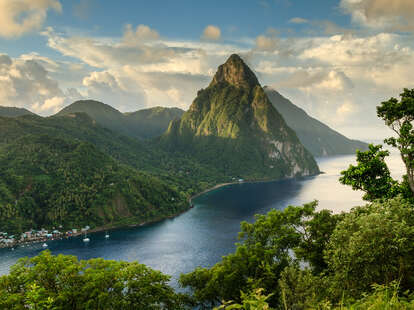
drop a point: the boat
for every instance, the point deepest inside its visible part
(44, 245)
(106, 235)
(86, 239)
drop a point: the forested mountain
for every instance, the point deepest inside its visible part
(142, 124)
(152, 122)
(51, 181)
(13, 112)
(232, 125)
(102, 113)
(70, 170)
(317, 137)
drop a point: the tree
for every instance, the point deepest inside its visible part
(398, 115)
(251, 301)
(62, 282)
(371, 174)
(265, 250)
(373, 244)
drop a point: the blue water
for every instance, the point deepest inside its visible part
(201, 236)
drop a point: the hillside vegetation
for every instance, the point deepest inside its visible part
(51, 181)
(68, 170)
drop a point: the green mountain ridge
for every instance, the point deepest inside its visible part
(317, 137)
(68, 170)
(232, 125)
(142, 124)
(104, 114)
(14, 112)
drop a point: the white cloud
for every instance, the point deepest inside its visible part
(316, 78)
(394, 15)
(377, 50)
(18, 17)
(133, 49)
(341, 79)
(139, 36)
(142, 70)
(24, 82)
(346, 108)
(267, 44)
(211, 32)
(51, 105)
(298, 20)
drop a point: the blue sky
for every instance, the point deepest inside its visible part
(180, 19)
(335, 59)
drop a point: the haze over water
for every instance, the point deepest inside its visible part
(201, 236)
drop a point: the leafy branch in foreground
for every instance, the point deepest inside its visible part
(371, 173)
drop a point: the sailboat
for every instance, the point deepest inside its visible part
(86, 239)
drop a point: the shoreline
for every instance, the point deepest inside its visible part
(109, 227)
(217, 186)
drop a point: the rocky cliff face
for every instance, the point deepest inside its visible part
(232, 125)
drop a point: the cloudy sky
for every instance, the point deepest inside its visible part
(337, 59)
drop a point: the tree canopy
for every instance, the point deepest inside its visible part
(63, 282)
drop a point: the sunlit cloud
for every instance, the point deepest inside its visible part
(211, 33)
(18, 17)
(395, 15)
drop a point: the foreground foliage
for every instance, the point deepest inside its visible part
(301, 257)
(63, 282)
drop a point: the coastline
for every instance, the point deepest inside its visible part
(109, 227)
(210, 189)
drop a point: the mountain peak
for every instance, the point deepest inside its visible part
(235, 72)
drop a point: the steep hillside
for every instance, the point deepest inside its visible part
(317, 137)
(182, 172)
(50, 181)
(233, 126)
